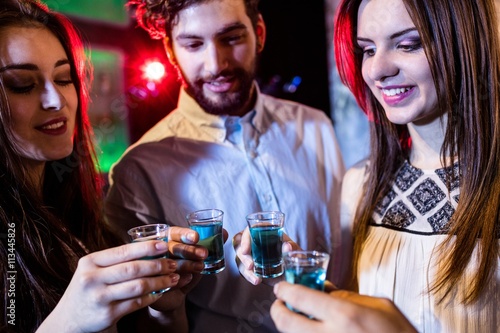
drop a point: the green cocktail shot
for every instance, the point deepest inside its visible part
(208, 224)
(266, 232)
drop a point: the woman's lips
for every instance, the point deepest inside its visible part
(54, 127)
(395, 96)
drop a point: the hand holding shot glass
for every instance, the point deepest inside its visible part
(266, 232)
(307, 268)
(150, 232)
(208, 224)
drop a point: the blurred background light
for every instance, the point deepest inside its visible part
(153, 71)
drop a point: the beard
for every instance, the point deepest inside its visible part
(230, 103)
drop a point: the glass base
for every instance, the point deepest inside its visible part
(268, 272)
(214, 267)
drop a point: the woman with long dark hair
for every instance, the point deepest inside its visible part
(58, 272)
(425, 206)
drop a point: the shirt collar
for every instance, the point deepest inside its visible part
(214, 125)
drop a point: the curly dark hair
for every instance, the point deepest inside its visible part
(157, 17)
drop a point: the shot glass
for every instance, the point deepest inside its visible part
(307, 268)
(150, 232)
(208, 224)
(266, 231)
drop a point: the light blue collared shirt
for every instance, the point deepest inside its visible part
(280, 156)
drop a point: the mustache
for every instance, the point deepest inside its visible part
(237, 72)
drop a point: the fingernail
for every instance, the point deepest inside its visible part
(275, 288)
(172, 264)
(175, 278)
(201, 252)
(161, 246)
(191, 237)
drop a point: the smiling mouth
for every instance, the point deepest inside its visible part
(53, 126)
(219, 86)
(395, 91)
(217, 83)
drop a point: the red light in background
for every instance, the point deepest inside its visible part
(153, 71)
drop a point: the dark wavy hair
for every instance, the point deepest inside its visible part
(52, 232)
(461, 42)
(158, 17)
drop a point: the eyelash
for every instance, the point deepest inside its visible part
(192, 46)
(227, 40)
(233, 39)
(27, 89)
(64, 83)
(405, 47)
(22, 90)
(417, 45)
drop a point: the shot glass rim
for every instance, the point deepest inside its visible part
(316, 255)
(220, 215)
(278, 214)
(130, 231)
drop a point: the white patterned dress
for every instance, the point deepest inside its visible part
(400, 257)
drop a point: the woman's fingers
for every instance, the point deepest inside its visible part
(304, 299)
(127, 252)
(136, 269)
(291, 322)
(124, 307)
(139, 287)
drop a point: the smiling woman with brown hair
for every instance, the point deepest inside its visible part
(425, 206)
(50, 203)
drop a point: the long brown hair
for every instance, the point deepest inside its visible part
(51, 232)
(461, 42)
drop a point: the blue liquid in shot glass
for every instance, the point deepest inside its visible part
(211, 238)
(312, 277)
(267, 241)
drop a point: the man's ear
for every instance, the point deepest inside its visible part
(260, 32)
(169, 50)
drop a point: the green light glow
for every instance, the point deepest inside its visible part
(108, 109)
(104, 10)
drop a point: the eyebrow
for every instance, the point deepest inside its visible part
(226, 29)
(393, 36)
(32, 67)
